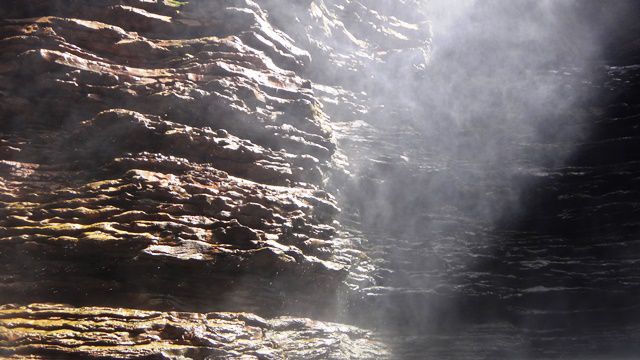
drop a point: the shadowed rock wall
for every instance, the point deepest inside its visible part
(162, 155)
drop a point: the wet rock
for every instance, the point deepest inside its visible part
(175, 156)
(43, 331)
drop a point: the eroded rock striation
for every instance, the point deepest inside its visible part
(240, 179)
(175, 156)
(43, 331)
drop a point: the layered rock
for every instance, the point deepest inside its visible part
(173, 156)
(500, 240)
(41, 331)
(179, 158)
(118, 129)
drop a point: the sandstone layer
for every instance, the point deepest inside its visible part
(41, 331)
(175, 156)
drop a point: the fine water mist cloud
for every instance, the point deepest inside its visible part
(500, 75)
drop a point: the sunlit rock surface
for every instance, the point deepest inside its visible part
(172, 156)
(161, 149)
(217, 165)
(41, 331)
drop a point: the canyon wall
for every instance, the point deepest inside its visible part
(319, 179)
(175, 158)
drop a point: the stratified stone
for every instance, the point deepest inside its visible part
(170, 155)
(46, 331)
(144, 149)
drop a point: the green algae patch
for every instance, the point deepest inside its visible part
(99, 236)
(175, 3)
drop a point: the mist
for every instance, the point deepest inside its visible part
(451, 151)
(454, 179)
(497, 78)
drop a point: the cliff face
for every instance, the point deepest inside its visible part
(240, 179)
(170, 156)
(40, 331)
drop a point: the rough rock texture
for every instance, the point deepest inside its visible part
(190, 160)
(524, 247)
(41, 331)
(173, 156)
(161, 151)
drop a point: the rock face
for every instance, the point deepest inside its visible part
(161, 150)
(174, 156)
(240, 179)
(504, 241)
(170, 156)
(42, 331)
